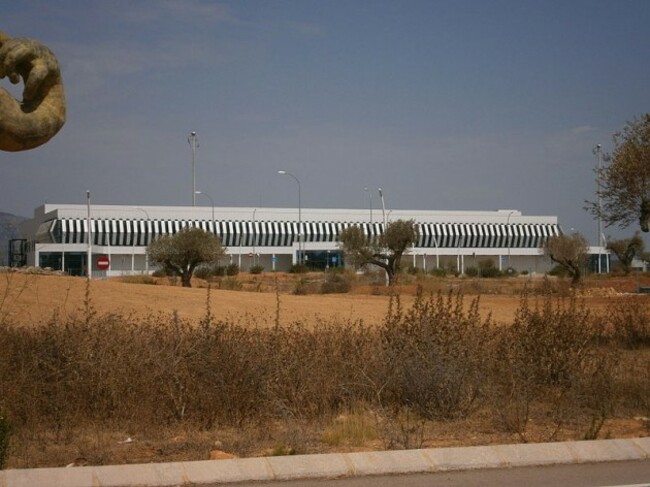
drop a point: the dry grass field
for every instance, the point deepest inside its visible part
(76, 436)
(32, 298)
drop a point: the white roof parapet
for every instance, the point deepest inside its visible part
(285, 214)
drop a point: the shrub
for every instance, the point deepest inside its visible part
(230, 283)
(558, 271)
(630, 322)
(138, 279)
(299, 269)
(203, 272)
(487, 268)
(257, 269)
(414, 271)
(438, 272)
(549, 356)
(432, 356)
(208, 271)
(336, 282)
(232, 269)
(301, 288)
(471, 272)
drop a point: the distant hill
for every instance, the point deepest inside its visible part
(8, 229)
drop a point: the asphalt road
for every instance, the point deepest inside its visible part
(609, 474)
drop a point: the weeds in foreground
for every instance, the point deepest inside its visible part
(435, 361)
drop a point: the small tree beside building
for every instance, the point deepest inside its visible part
(569, 252)
(626, 249)
(182, 252)
(385, 252)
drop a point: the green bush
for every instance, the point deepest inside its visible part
(438, 272)
(257, 269)
(471, 272)
(299, 269)
(232, 269)
(558, 271)
(487, 268)
(208, 271)
(414, 271)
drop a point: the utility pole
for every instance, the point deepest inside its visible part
(90, 239)
(194, 143)
(598, 153)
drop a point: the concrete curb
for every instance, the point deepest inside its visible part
(330, 465)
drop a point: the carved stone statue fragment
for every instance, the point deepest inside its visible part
(32, 121)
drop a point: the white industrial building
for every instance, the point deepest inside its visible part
(57, 236)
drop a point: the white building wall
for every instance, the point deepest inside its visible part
(131, 258)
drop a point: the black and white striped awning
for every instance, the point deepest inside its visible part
(119, 232)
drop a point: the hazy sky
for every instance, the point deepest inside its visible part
(446, 105)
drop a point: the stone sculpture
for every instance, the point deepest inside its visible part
(40, 115)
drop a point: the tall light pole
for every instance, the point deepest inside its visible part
(211, 201)
(383, 212)
(194, 143)
(598, 153)
(254, 238)
(509, 236)
(90, 239)
(370, 196)
(383, 207)
(287, 173)
(146, 256)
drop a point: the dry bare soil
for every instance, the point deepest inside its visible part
(31, 299)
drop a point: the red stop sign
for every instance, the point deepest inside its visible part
(103, 262)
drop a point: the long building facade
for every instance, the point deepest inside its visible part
(276, 238)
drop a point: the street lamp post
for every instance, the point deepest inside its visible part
(90, 241)
(146, 256)
(383, 213)
(369, 196)
(194, 143)
(598, 153)
(383, 207)
(254, 238)
(211, 201)
(509, 236)
(287, 173)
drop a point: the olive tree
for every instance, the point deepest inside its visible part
(624, 184)
(385, 252)
(182, 252)
(626, 249)
(570, 252)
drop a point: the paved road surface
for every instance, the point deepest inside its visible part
(636, 473)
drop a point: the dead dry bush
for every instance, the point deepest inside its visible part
(551, 359)
(432, 358)
(630, 322)
(437, 361)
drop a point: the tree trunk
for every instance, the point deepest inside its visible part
(391, 275)
(575, 276)
(186, 279)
